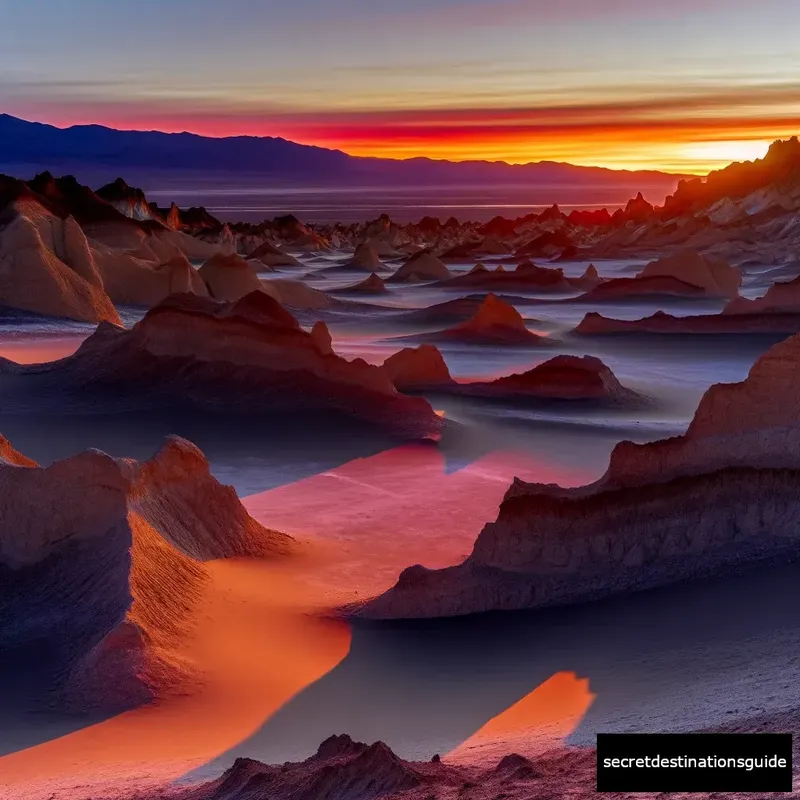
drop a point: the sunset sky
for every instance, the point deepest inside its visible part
(679, 85)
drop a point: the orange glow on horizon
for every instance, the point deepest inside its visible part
(688, 143)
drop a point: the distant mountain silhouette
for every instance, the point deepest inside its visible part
(84, 148)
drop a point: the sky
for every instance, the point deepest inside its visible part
(676, 85)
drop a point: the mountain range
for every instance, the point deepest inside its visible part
(93, 152)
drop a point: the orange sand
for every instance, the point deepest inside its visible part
(257, 646)
(260, 638)
(532, 725)
(394, 509)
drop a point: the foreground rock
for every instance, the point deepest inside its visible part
(101, 568)
(343, 769)
(247, 357)
(724, 495)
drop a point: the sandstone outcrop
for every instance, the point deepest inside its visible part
(569, 378)
(245, 357)
(47, 266)
(526, 277)
(366, 258)
(372, 285)
(722, 496)
(421, 267)
(101, 562)
(661, 323)
(271, 256)
(129, 280)
(714, 276)
(229, 277)
(495, 322)
(418, 369)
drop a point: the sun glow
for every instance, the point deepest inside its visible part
(743, 150)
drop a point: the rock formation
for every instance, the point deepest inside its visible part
(545, 245)
(129, 280)
(47, 266)
(652, 287)
(246, 357)
(783, 297)
(588, 280)
(661, 323)
(295, 294)
(340, 770)
(421, 267)
(418, 369)
(366, 258)
(372, 285)
(495, 322)
(561, 379)
(714, 276)
(129, 201)
(526, 277)
(343, 769)
(458, 310)
(100, 561)
(11, 456)
(724, 495)
(776, 313)
(567, 378)
(271, 256)
(229, 277)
